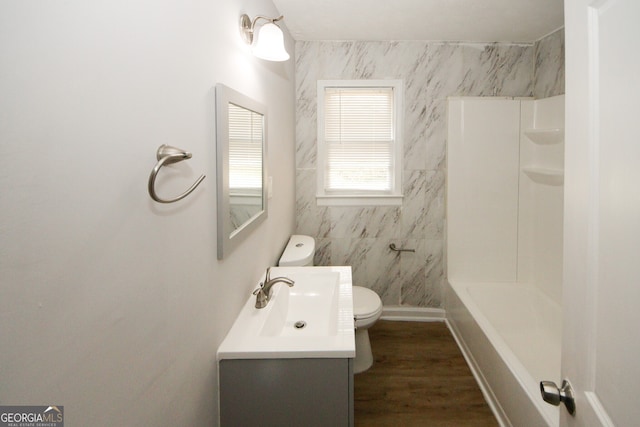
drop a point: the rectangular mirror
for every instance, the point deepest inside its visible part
(241, 142)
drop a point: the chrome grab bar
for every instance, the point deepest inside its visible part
(167, 154)
(393, 248)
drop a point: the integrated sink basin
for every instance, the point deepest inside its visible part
(309, 308)
(312, 319)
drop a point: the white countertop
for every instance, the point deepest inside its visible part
(321, 296)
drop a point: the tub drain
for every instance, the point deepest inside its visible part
(300, 324)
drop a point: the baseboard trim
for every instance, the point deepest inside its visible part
(413, 314)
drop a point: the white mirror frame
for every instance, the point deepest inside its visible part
(228, 236)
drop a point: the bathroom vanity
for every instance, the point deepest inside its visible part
(291, 362)
(286, 392)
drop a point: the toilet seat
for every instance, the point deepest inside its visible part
(366, 303)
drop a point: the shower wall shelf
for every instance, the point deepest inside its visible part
(545, 175)
(545, 136)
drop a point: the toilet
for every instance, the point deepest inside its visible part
(367, 306)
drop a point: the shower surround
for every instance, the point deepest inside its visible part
(431, 72)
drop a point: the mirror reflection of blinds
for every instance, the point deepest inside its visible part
(245, 148)
(359, 137)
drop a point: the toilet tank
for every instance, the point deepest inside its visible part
(299, 251)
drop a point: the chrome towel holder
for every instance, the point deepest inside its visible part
(396, 249)
(166, 155)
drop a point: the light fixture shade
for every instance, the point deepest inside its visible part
(270, 43)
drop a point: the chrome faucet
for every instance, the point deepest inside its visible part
(263, 293)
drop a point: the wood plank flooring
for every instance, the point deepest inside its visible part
(419, 378)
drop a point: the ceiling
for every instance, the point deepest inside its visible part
(433, 20)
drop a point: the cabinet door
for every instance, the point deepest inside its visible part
(286, 392)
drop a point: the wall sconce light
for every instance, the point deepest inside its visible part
(269, 40)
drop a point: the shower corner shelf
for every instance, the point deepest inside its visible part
(545, 175)
(546, 136)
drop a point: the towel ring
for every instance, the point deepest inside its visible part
(166, 155)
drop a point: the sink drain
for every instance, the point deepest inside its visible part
(300, 324)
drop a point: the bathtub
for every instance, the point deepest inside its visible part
(510, 336)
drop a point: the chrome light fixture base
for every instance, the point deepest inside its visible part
(246, 29)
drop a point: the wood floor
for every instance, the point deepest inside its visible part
(419, 378)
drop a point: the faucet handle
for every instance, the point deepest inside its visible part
(261, 297)
(258, 290)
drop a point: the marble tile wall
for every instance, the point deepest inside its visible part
(549, 66)
(360, 236)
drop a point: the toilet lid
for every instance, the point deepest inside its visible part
(365, 302)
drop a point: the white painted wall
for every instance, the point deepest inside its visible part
(111, 304)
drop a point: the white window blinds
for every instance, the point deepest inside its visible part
(359, 139)
(245, 148)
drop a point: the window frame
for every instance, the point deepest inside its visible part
(392, 197)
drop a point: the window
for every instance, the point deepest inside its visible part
(359, 142)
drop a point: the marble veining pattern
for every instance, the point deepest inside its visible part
(431, 72)
(549, 67)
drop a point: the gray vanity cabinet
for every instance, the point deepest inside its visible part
(286, 392)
